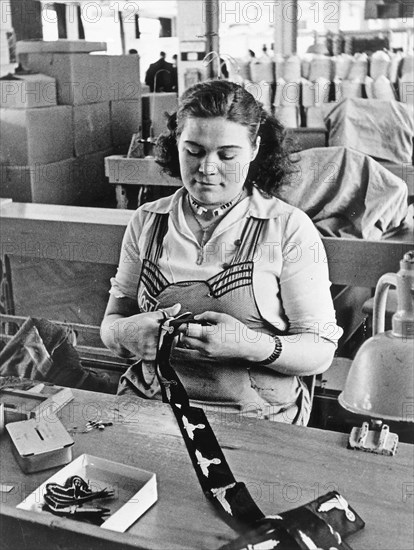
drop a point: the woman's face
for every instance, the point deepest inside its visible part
(214, 158)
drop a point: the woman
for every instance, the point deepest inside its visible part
(226, 249)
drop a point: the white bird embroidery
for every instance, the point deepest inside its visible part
(307, 540)
(339, 503)
(190, 428)
(220, 495)
(265, 545)
(205, 463)
(335, 534)
(167, 383)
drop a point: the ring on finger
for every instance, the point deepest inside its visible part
(193, 330)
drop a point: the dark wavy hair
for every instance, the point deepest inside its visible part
(221, 98)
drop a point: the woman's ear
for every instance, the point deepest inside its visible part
(256, 147)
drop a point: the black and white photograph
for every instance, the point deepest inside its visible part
(207, 274)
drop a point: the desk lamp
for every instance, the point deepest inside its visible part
(380, 383)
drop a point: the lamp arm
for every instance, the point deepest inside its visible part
(380, 301)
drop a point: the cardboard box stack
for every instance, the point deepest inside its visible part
(59, 123)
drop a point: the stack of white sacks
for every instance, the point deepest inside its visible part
(294, 85)
(60, 122)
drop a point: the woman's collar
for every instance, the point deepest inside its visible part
(260, 206)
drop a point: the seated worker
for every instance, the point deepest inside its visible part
(226, 248)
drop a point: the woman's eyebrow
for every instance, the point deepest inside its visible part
(192, 143)
(188, 141)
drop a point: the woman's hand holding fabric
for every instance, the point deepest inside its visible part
(139, 333)
(225, 338)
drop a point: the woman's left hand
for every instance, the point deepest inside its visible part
(225, 338)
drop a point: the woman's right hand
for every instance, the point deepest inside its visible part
(138, 333)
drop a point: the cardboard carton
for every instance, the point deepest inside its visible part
(92, 182)
(27, 91)
(80, 78)
(126, 120)
(315, 117)
(31, 136)
(123, 74)
(59, 46)
(75, 181)
(53, 183)
(137, 171)
(91, 128)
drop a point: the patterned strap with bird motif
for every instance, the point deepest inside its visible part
(321, 524)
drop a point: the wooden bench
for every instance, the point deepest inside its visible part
(83, 234)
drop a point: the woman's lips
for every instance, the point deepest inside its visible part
(209, 183)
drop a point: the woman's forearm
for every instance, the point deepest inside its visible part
(302, 354)
(113, 332)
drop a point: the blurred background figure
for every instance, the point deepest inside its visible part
(159, 76)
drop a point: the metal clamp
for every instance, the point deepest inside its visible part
(380, 441)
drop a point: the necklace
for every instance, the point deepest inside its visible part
(206, 228)
(200, 210)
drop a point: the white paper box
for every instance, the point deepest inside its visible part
(380, 64)
(135, 489)
(262, 69)
(75, 181)
(54, 183)
(31, 136)
(59, 46)
(314, 117)
(321, 66)
(145, 171)
(290, 94)
(40, 443)
(288, 116)
(292, 70)
(91, 128)
(123, 77)
(80, 78)
(343, 64)
(27, 91)
(322, 90)
(406, 89)
(383, 89)
(359, 68)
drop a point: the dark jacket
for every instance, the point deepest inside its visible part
(160, 73)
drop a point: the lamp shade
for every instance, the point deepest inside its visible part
(380, 383)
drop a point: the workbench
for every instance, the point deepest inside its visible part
(283, 466)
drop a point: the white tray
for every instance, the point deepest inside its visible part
(135, 489)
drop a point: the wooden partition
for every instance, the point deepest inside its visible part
(94, 235)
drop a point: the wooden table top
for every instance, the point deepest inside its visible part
(283, 466)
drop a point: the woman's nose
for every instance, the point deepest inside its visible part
(208, 167)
